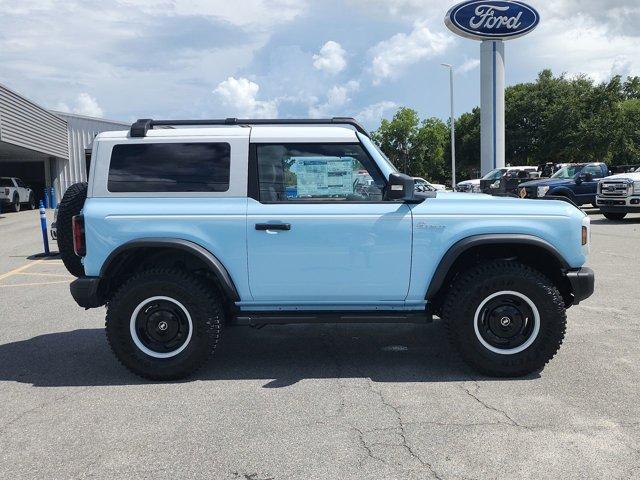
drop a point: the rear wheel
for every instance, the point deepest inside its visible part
(32, 202)
(614, 215)
(71, 205)
(163, 324)
(511, 319)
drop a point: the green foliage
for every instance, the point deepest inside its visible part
(415, 147)
(554, 119)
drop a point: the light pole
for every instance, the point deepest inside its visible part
(453, 129)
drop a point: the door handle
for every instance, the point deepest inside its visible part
(273, 226)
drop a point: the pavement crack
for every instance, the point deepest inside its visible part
(474, 395)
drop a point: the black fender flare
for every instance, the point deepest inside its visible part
(202, 253)
(461, 246)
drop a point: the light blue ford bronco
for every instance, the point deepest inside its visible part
(184, 230)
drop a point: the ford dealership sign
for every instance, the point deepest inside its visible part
(492, 19)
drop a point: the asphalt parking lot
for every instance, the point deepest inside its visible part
(307, 402)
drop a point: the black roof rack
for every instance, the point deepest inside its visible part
(140, 127)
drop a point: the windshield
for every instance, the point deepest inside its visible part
(494, 174)
(378, 155)
(569, 171)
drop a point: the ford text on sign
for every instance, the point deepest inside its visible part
(492, 19)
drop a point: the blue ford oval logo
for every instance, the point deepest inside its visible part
(492, 19)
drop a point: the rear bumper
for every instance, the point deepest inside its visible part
(84, 291)
(582, 283)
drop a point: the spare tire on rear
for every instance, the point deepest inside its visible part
(71, 205)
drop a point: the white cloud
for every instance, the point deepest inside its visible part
(337, 98)
(468, 65)
(331, 58)
(372, 114)
(239, 95)
(403, 9)
(254, 13)
(581, 44)
(392, 56)
(84, 104)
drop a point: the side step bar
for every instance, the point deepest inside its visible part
(256, 319)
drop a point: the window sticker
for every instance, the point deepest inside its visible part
(323, 176)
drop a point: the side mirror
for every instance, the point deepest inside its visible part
(588, 177)
(400, 187)
(579, 178)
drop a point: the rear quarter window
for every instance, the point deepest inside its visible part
(170, 167)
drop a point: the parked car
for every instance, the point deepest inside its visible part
(468, 186)
(14, 193)
(577, 182)
(506, 181)
(474, 186)
(181, 232)
(423, 185)
(619, 194)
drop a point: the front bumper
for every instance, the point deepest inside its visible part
(4, 201)
(582, 283)
(84, 291)
(619, 205)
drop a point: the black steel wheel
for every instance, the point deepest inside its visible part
(504, 318)
(163, 324)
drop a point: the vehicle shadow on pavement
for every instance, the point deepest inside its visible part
(626, 221)
(279, 355)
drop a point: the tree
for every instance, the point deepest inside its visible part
(553, 119)
(415, 147)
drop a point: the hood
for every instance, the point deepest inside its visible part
(483, 204)
(475, 181)
(547, 182)
(635, 176)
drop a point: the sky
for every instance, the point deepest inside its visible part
(128, 59)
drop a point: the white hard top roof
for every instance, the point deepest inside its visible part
(258, 133)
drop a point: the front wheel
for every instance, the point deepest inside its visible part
(505, 318)
(163, 324)
(614, 215)
(32, 202)
(16, 204)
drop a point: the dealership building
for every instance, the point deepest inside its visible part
(46, 148)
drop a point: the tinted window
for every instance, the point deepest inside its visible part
(316, 172)
(6, 182)
(594, 170)
(170, 167)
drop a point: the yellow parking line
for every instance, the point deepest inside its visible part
(33, 284)
(45, 274)
(19, 269)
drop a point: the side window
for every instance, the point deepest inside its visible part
(594, 170)
(317, 172)
(170, 167)
(20, 183)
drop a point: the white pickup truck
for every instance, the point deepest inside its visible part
(14, 193)
(619, 194)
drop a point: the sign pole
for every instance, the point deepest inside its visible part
(491, 105)
(492, 22)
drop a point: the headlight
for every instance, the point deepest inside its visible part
(542, 191)
(636, 188)
(475, 189)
